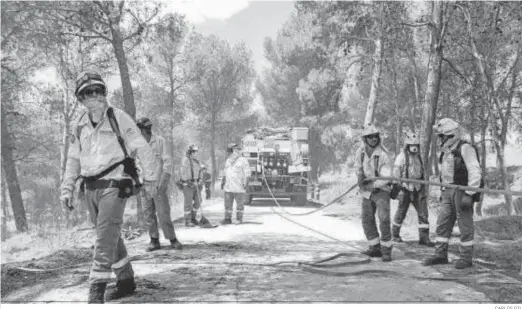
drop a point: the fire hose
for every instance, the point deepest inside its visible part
(318, 267)
(315, 269)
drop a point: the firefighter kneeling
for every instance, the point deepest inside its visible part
(372, 160)
(459, 165)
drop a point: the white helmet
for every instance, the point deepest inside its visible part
(446, 126)
(411, 139)
(370, 130)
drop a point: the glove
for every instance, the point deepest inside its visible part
(223, 181)
(466, 201)
(396, 188)
(149, 189)
(368, 186)
(164, 182)
(66, 201)
(360, 179)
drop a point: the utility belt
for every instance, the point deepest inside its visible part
(126, 186)
(190, 183)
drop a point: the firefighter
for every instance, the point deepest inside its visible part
(160, 203)
(408, 165)
(207, 180)
(234, 183)
(459, 165)
(96, 155)
(189, 179)
(372, 160)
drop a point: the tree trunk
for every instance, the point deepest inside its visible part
(483, 154)
(126, 86)
(11, 177)
(212, 147)
(433, 83)
(376, 78)
(398, 114)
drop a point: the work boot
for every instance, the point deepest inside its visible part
(435, 260)
(386, 254)
(96, 293)
(174, 243)
(425, 241)
(461, 264)
(193, 219)
(153, 245)
(396, 237)
(373, 251)
(124, 288)
(239, 221)
(188, 223)
(226, 221)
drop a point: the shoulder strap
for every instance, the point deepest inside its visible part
(407, 159)
(116, 129)
(362, 159)
(376, 165)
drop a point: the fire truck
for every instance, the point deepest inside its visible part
(279, 161)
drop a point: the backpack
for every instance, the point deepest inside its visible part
(460, 172)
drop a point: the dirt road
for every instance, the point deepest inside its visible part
(216, 266)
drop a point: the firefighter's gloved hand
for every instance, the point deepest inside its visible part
(466, 201)
(223, 181)
(394, 193)
(368, 186)
(360, 179)
(149, 189)
(66, 201)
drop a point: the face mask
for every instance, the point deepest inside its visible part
(413, 148)
(443, 139)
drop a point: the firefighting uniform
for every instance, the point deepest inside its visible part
(190, 174)
(160, 203)
(411, 192)
(453, 170)
(377, 200)
(92, 150)
(237, 170)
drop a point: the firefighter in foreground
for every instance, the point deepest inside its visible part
(160, 203)
(189, 179)
(99, 156)
(408, 165)
(234, 183)
(372, 160)
(459, 165)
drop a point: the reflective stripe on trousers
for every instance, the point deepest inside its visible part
(106, 211)
(453, 210)
(192, 200)
(229, 204)
(379, 203)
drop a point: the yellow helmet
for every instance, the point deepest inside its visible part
(446, 126)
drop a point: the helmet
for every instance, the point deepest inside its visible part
(143, 123)
(88, 79)
(193, 147)
(446, 126)
(411, 139)
(232, 146)
(370, 130)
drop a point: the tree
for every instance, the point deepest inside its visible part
(115, 22)
(220, 90)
